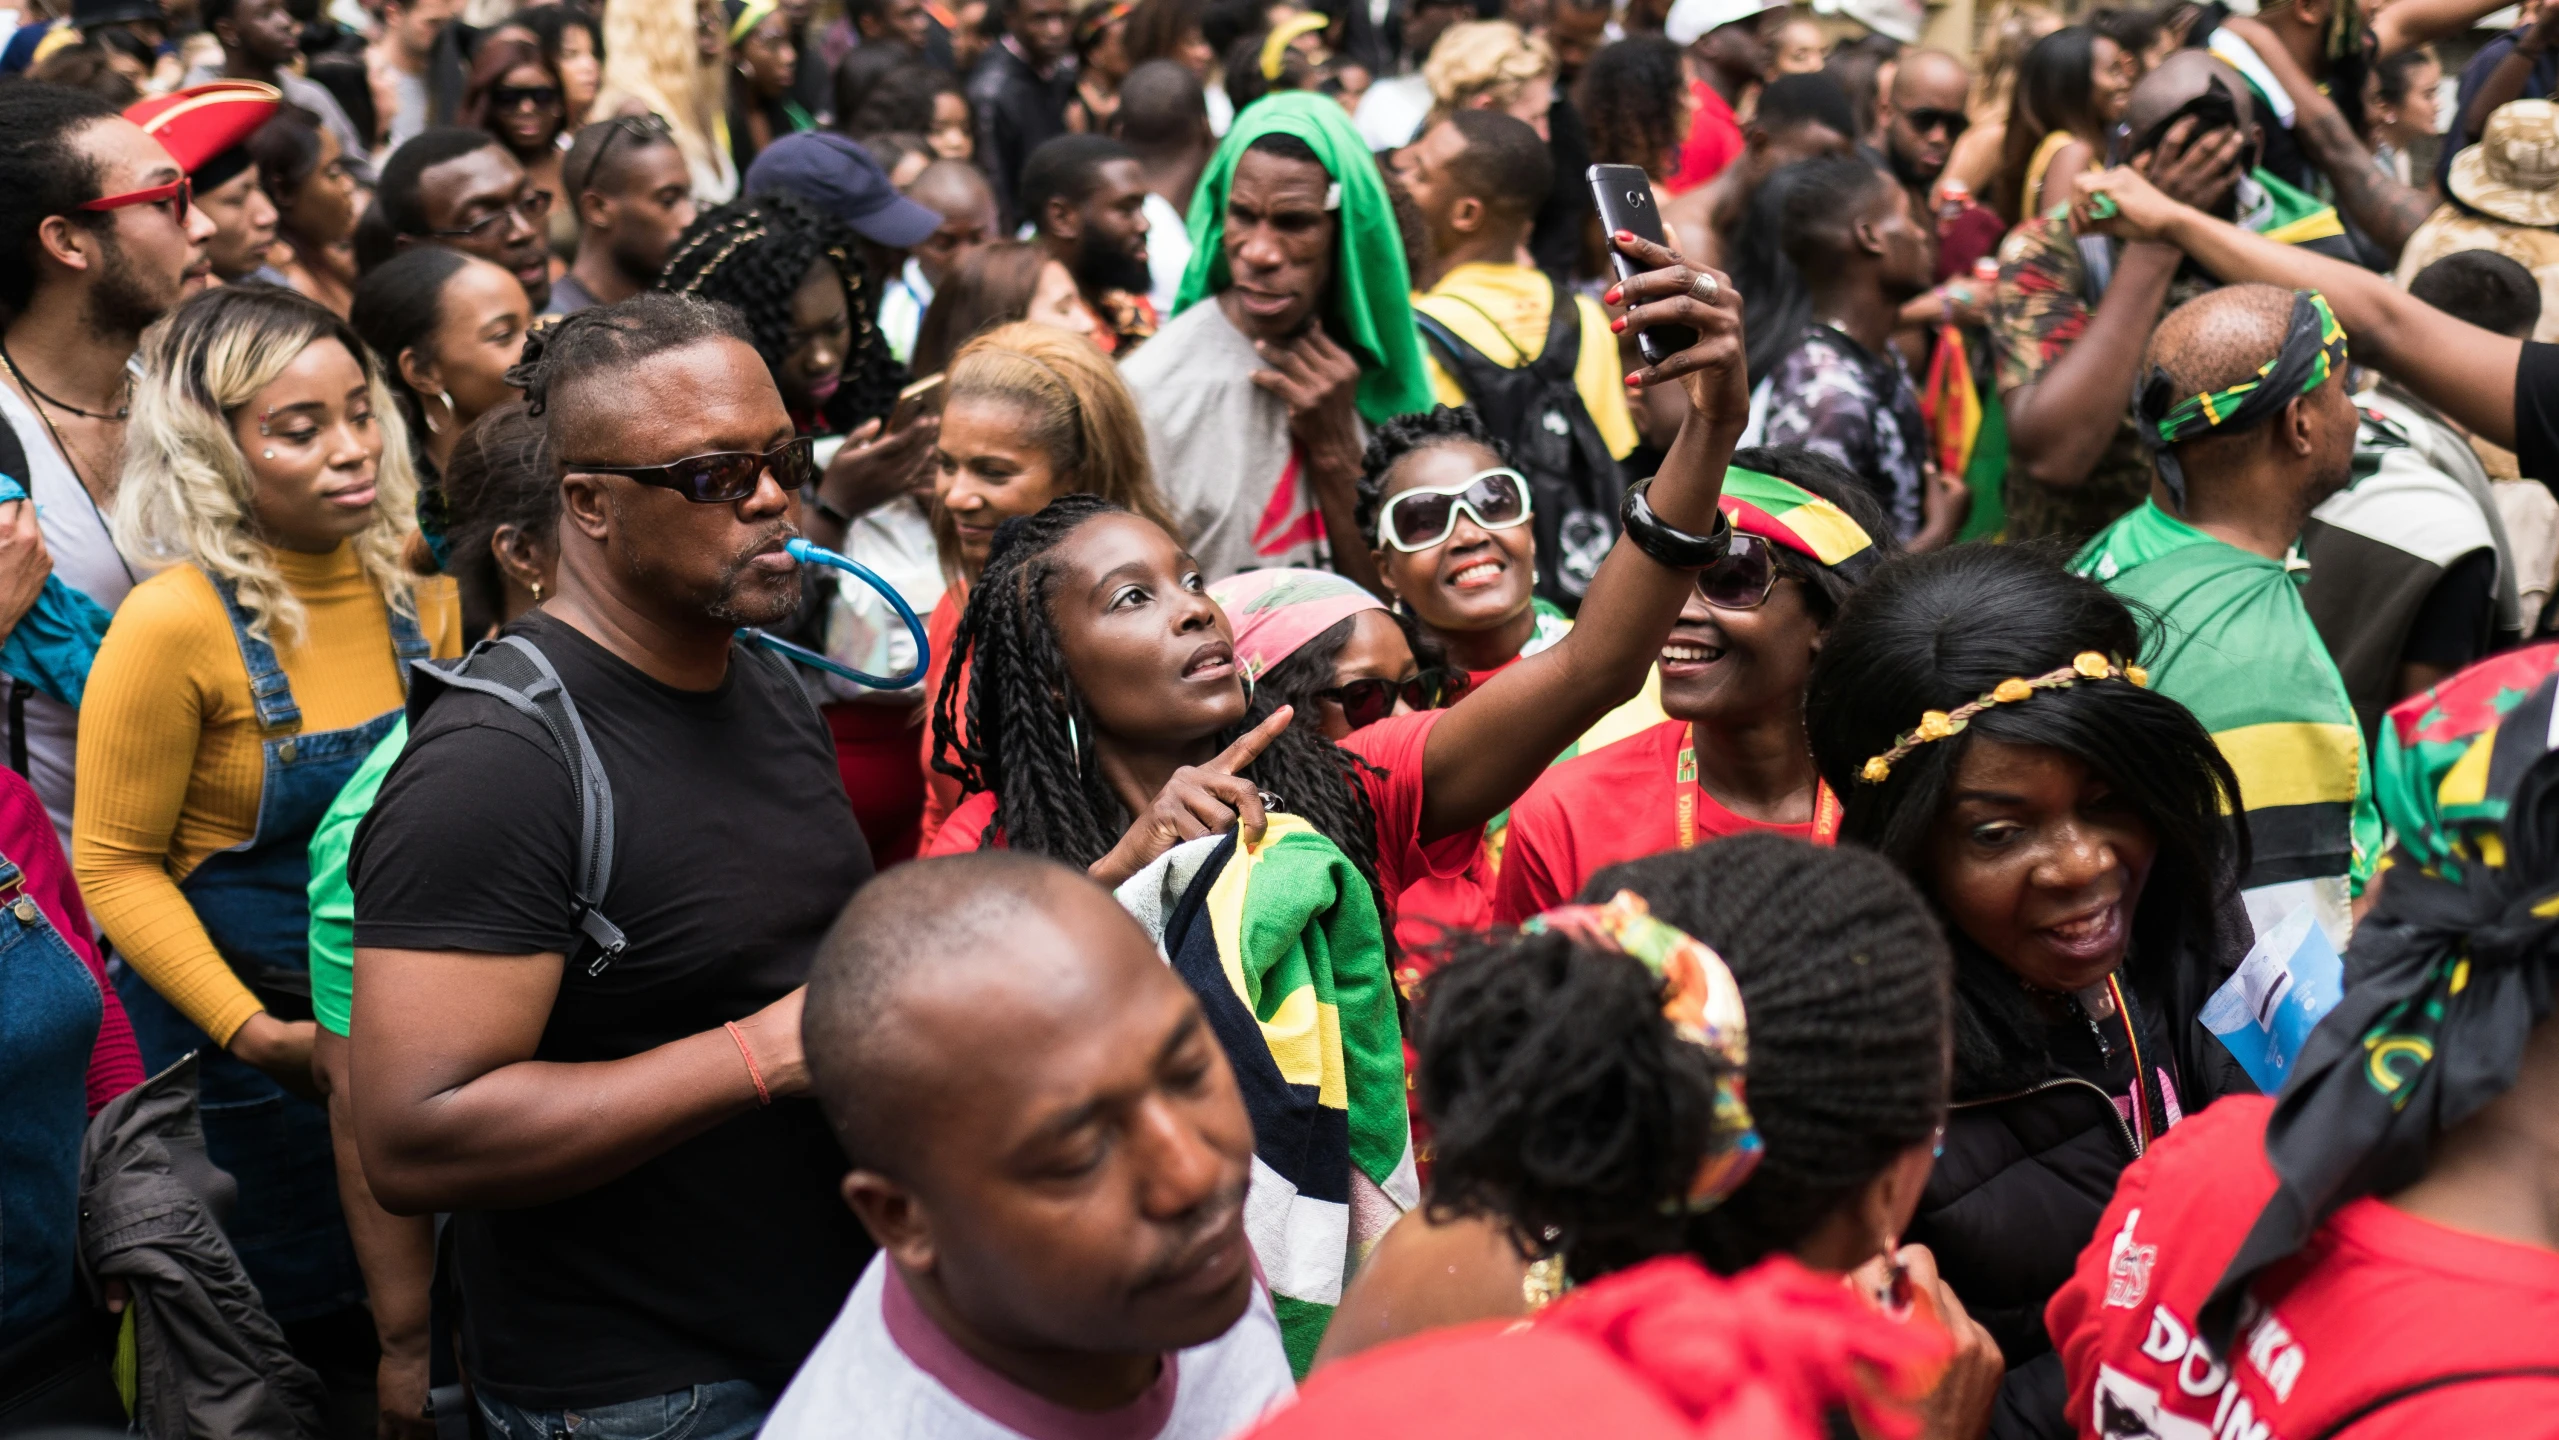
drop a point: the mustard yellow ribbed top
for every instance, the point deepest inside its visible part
(170, 766)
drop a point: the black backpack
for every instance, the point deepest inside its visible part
(1574, 484)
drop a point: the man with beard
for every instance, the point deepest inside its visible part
(644, 1206)
(206, 128)
(97, 239)
(1924, 116)
(1086, 197)
(633, 197)
(461, 189)
(1062, 1235)
(2068, 319)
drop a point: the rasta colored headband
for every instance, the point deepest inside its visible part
(2314, 348)
(750, 17)
(1702, 1002)
(1938, 724)
(1790, 515)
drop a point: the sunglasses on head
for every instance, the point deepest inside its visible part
(723, 476)
(1743, 578)
(1927, 120)
(509, 97)
(1422, 517)
(178, 195)
(1365, 702)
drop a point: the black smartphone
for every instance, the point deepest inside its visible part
(1625, 197)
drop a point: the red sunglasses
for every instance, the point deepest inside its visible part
(178, 194)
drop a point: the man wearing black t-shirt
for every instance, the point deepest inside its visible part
(2496, 386)
(646, 1229)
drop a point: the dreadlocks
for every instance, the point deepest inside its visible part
(1050, 798)
(751, 255)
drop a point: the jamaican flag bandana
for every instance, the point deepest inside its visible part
(2448, 974)
(2314, 348)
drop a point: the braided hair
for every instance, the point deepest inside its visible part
(1565, 1105)
(752, 255)
(1014, 739)
(1389, 443)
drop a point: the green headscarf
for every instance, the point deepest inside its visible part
(1371, 293)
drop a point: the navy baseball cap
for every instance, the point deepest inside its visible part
(841, 178)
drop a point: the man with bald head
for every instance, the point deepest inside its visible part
(2245, 391)
(958, 192)
(1923, 117)
(1049, 1147)
(2071, 314)
(610, 1100)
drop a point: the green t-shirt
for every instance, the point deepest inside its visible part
(332, 897)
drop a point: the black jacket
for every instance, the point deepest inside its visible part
(2033, 1150)
(1016, 110)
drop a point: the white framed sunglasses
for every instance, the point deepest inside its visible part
(1419, 518)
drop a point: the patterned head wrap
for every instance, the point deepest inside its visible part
(1276, 611)
(2314, 348)
(2449, 973)
(1703, 1003)
(1792, 516)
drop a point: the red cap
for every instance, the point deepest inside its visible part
(205, 122)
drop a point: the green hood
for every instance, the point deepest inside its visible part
(1371, 307)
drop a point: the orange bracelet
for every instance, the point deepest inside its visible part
(753, 1071)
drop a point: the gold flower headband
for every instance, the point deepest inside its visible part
(1938, 724)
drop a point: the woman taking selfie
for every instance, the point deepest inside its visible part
(232, 699)
(1108, 717)
(1030, 413)
(447, 327)
(1984, 717)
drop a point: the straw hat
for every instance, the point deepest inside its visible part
(2513, 172)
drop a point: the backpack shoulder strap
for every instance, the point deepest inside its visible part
(1471, 368)
(513, 670)
(1563, 353)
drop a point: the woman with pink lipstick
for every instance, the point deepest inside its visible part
(1107, 719)
(1985, 719)
(234, 695)
(1731, 756)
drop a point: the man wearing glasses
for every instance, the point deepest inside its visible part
(97, 237)
(646, 1227)
(461, 189)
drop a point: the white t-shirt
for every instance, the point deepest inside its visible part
(85, 558)
(886, 1370)
(1168, 251)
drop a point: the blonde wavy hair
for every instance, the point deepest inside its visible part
(1490, 61)
(652, 65)
(1077, 411)
(185, 497)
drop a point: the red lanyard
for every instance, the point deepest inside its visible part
(1825, 804)
(2132, 1039)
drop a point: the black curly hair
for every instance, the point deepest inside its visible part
(751, 256)
(501, 473)
(1404, 434)
(1050, 798)
(1933, 631)
(1630, 95)
(1564, 1105)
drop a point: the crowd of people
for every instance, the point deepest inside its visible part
(1043, 718)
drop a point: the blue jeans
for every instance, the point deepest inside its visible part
(723, 1410)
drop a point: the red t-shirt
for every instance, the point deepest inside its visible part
(1449, 868)
(1714, 138)
(941, 631)
(1619, 802)
(2378, 1300)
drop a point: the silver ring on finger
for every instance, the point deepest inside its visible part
(1271, 803)
(1704, 286)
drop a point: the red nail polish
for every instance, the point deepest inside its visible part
(1618, 325)
(1634, 382)
(1611, 297)
(1625, 234)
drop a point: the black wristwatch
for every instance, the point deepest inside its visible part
(1672, 547)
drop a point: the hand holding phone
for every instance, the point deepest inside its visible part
(1624, 195)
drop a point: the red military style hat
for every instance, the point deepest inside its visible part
(206, 127)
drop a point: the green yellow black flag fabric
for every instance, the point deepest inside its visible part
(2233, 643)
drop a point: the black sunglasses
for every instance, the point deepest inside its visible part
(1365, 702)
(1742, 579)
(509, 97)
(723, 476)
(1927, 119)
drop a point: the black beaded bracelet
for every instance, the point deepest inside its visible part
(1675, 548)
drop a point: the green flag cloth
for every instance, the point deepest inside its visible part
(2234, 645)
(1369, 305)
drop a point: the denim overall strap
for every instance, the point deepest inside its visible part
(269, 691)
(408, 643)
(49, 1015)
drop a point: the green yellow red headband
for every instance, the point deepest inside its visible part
(1792, 516)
